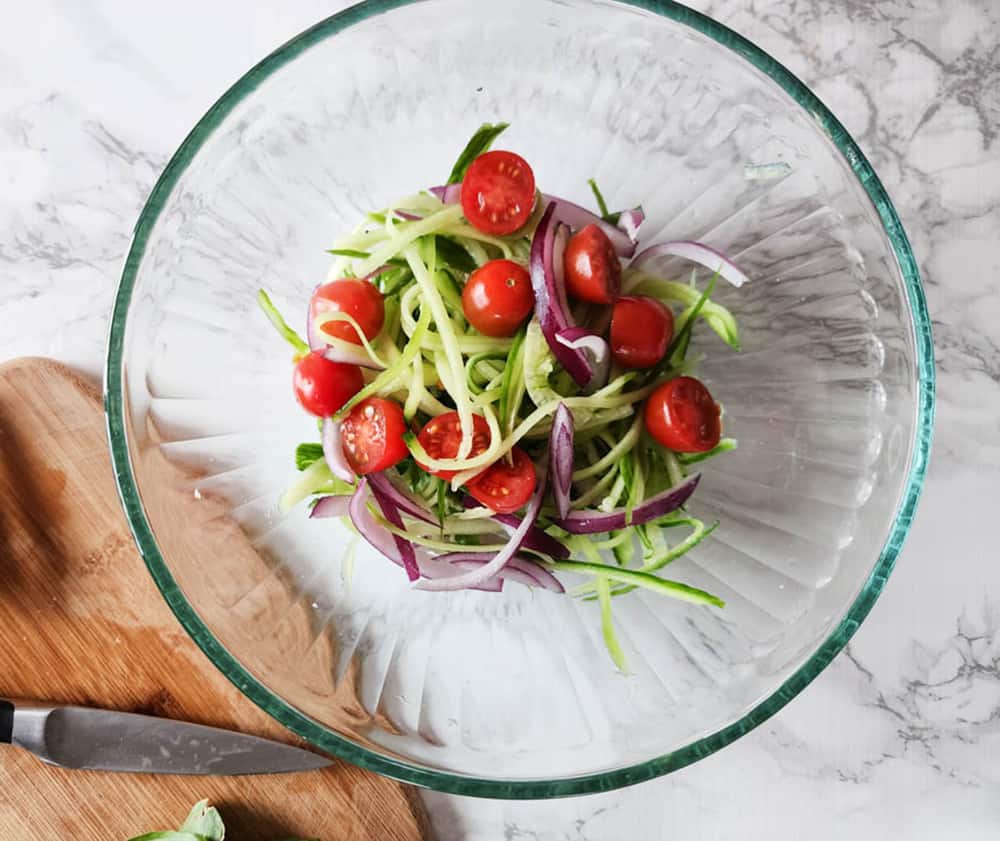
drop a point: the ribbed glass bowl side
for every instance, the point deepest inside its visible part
(832, 397)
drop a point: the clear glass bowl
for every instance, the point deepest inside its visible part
(512, 695)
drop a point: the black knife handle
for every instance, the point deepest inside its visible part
(6, 721)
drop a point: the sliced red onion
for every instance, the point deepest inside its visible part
(473, 561)
(406, 503)
(431, 568)
(349, 354)
(475, 577)
(592, 521)
(544, 578)
(579, 217)
(561, 458)
(494, 585)
(333, 450)
(369, 528)
(313, 334)
(409, 217)
(449, 194)
(597, 351)
(547, 282)
(696, 252)
(331, 506)
(580, 339)
(536, 540)
(519, 569)
(384, 541)
(630, 220)
(404, 546)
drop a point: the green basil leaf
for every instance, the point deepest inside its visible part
(481, 141)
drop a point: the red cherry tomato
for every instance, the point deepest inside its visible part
(498, 297)
(498, 193)
(322, 386)
(682, 416)
(358, 299)
(593, 271)
(506, 485)
(641, 330)
(441, 437)
(372, 435)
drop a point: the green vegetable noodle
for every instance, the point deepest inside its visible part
(496, 408)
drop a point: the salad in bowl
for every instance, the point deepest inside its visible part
(504, 390)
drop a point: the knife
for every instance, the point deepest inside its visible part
(104, 740)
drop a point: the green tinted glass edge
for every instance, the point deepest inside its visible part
(441, 780)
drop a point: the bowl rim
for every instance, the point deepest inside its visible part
(445, 781)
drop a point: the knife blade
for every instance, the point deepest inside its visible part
(105, 740)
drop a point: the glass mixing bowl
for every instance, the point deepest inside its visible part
(512, 695)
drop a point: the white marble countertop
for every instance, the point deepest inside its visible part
(95, 95)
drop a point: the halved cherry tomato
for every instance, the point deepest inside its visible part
(498, 193)
(593, 271)
(641, 330)
(507, 484)
(358, 299)
(682, 416)
(441, 437)
(322, 386)
(498, 297)
(372, 435)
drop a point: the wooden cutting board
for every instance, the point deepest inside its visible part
(82, 622)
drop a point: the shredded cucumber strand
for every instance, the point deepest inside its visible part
(645, 580)
(430, 405)
(491, 421)
(608, 625)
(410, 300)
(408, 233)
(481, 513)
(507, 444)
(472, 465)
(475, 249)
(315, 479)
(383, 359)
(347, 565)
(724, 446)
(451, 525)
(699, 532)
(675, 470)
(465, 231)
(433, 302)
(449, 294)
(328, 317)
(637, 488)
(474, 367)
(715, 315)
(431, 543)
(617, 539)
(485, 398)
(416, 389)
(591, 421)
(591, 494)
(275, 317)
(512, 385)
(615, 454)
(386, 380)
(610, 502)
